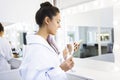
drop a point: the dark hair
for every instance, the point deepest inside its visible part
(1, 27)
(46, 10)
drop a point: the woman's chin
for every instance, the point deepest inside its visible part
(53, 34)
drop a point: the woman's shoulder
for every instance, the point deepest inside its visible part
(4, 40)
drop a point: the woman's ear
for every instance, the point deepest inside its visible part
(47, 20)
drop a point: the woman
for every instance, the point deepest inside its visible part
(4, 45)
(41, 61)
(5, 52)
(7, 62)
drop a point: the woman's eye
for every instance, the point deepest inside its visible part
(58, 22)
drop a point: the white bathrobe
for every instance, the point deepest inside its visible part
(41, 62)
(5, 55)
(5, 48)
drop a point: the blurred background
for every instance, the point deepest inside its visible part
(95, 22)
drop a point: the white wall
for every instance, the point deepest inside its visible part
(100, 17)
(18, 10)
(116, 48)
(117, 24)
(62, 4)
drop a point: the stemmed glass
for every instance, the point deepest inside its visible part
(70, 49)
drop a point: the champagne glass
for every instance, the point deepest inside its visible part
(71, 47)
(70, 50)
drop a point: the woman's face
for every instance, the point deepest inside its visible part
(54, 24)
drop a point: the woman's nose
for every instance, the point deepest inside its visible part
(59, 26)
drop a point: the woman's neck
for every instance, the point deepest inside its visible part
(42, 32)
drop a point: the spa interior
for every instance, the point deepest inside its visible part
(95, 24)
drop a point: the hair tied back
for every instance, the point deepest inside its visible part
(46, 4)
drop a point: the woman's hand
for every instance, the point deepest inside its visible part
(69, 48)
(67, 64)
(65, 52)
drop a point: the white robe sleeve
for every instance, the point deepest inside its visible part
(41, 64)
(51, 74)
(4, 66)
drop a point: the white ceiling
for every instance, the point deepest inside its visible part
(62, 4)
